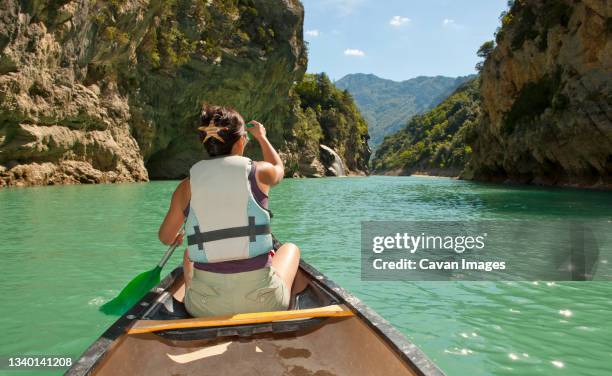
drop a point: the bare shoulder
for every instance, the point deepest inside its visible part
(262, 165)
(264, 169)
(267, 173)
(184, 184)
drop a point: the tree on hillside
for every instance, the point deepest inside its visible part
(484, 51)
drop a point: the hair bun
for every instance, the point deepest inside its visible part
(212, 131)
(222, 124)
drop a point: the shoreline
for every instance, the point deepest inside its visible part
(423, 174)
(599, 186)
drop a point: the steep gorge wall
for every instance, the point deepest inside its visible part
(109, 91)
(328, 126)
(547, 97)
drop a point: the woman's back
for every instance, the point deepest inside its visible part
(229, 263)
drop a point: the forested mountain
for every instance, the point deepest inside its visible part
(435, 142)
(387, 105)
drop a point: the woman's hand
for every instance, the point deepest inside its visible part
(257, 130)
(179, 238)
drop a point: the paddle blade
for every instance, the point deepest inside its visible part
(132, 293)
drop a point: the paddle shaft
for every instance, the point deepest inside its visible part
(170, 250)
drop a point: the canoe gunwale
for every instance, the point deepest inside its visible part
(407, 350)
(403, 348)
(87, 362)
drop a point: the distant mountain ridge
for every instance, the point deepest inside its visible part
(435, 142)
(387, 105)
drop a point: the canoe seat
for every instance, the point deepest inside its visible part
(242, 324)
(163, 318)
(172, 309)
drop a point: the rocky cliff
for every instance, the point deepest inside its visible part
(109, 91)
(328, 127)
(547, 96)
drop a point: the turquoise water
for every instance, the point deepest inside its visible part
(66, 250)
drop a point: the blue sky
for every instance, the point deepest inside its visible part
(398, 39)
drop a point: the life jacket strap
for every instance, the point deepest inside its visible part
(252, 230)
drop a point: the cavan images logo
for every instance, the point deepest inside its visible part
(485, 250)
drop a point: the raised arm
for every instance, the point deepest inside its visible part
(175, 216)
(271, 171)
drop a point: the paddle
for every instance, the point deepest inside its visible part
(138, 286)
(249, 125)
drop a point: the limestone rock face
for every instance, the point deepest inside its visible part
(332, 161)
(110, 91)
(547, 96)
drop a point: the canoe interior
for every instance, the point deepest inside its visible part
(362, 344)
(340, 346)
(344, 346)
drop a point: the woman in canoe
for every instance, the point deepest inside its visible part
(230, 264)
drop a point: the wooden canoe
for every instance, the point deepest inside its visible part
(326, 332)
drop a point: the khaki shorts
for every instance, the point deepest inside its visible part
(213, 294)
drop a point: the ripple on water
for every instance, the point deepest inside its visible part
(97, 301)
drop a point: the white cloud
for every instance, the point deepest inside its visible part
(449, 22)
(344, 7)
(312, 33)
(353, 52)
(398, 21)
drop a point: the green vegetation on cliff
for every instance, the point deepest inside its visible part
(112, 90)
(529, 20)
(327, 115)
(184, 28)
(436, 141)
